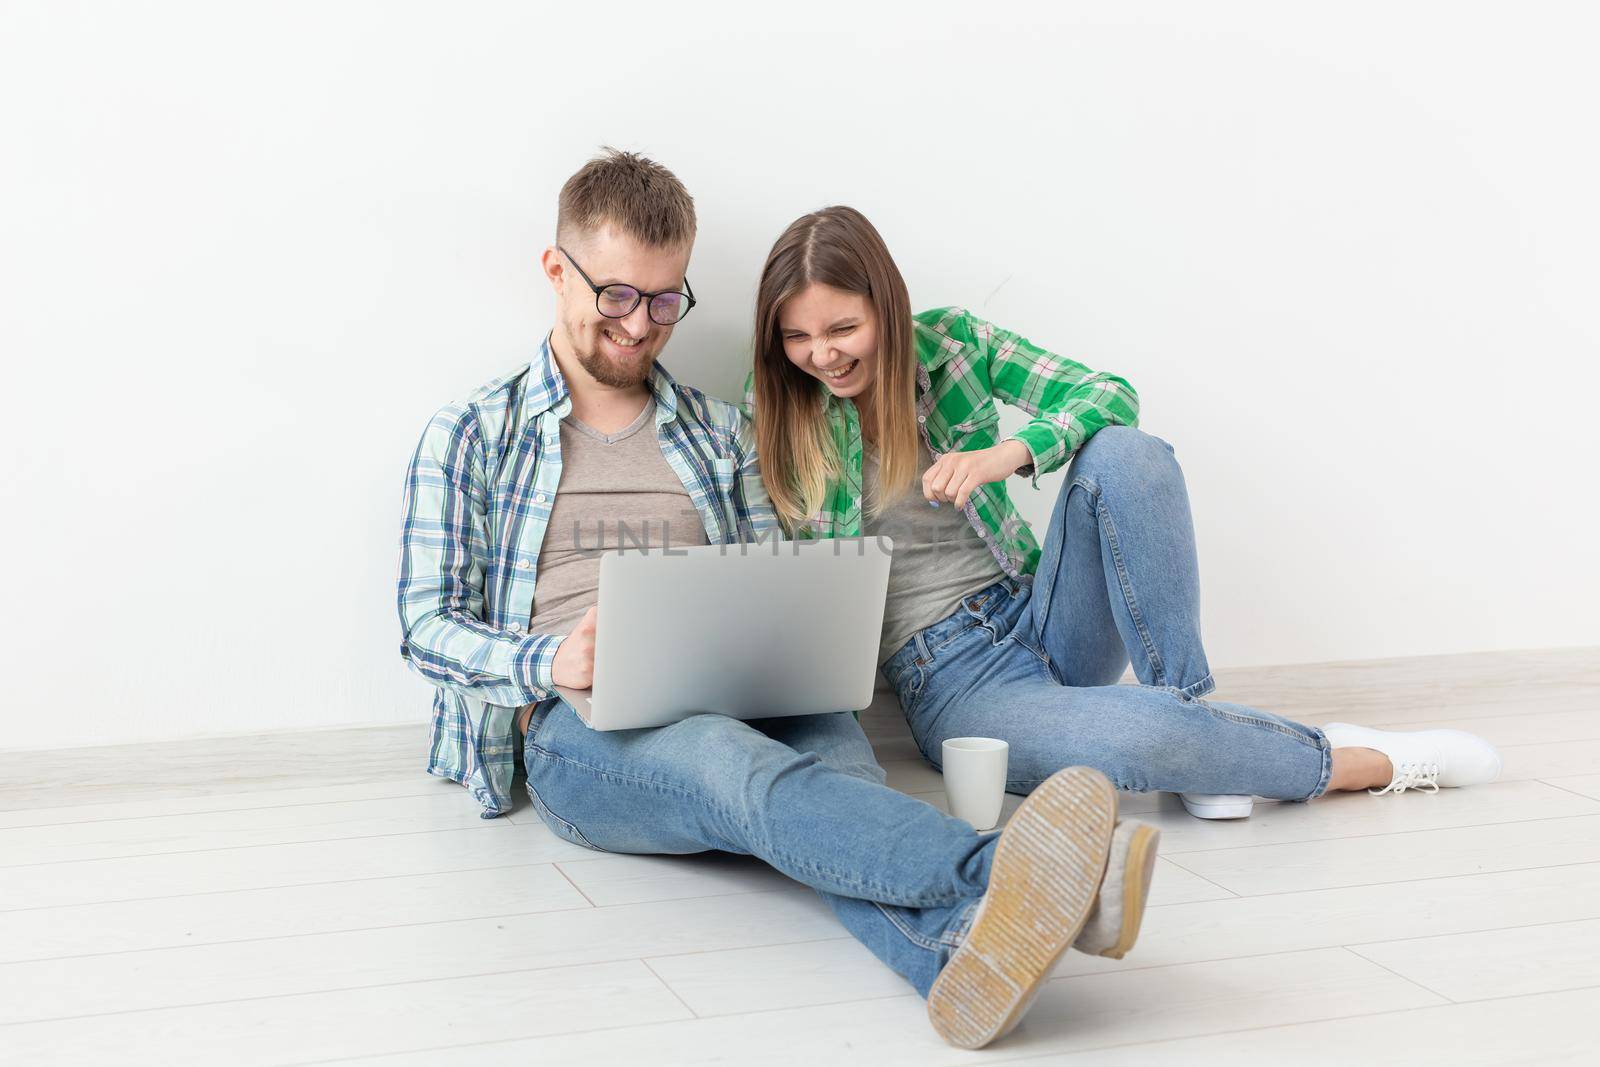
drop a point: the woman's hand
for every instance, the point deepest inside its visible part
(573, 666)
(955, 475)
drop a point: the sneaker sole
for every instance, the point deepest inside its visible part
(1047, 870)
(1141, 871)
(1236, 809)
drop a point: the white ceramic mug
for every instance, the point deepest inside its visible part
(975, 779)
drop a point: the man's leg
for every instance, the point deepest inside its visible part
(975, 923)
(803, 793)
(914, 942)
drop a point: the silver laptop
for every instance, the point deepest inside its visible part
(750, 631)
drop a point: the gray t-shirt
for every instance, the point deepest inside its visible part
(616, 491)
(938, 557)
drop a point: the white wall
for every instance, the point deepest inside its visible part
(1347, 256)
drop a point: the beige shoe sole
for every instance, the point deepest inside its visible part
(1046, 873)
(1136, 880)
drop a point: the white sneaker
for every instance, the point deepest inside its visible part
(1113, 924)
(1217, 805)
(1423, 759)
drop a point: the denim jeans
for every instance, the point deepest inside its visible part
(804, 793)
(1037, 665)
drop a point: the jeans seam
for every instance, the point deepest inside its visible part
(921, 941)
(862, 888)
(1041, 611)
(1327, 765)
(1109, 530)
(957, 931)
(1242, 720)
(1041, 654)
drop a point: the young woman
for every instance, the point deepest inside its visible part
(873, 421)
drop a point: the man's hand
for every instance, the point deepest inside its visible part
(574, 662)
(954, 475)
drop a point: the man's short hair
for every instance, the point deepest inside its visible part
(638, 196)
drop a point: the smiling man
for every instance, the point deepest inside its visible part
(512, 496)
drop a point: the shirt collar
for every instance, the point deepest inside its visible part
(933, 343)
(546, 387)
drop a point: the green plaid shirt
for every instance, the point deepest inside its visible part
(964, 365)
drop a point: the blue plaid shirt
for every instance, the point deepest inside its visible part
(477, 501)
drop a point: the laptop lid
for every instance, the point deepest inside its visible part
(750, 631)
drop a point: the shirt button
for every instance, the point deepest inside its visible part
(523, 565)
(538, 498)
(515, 627)
(922, 418)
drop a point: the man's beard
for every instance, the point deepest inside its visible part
(616, 374)
(608, 370)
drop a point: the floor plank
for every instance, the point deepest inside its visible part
(1399, 857)
(1555, 759)
(1528, 728)
(1497, 963)
(1532, 1030)
(1420, 688)
(610, 880)
(284, 966)
(238, 828)
(1327, 918)
(1343, 815)
(252, 914)
(408, 784)
(1583, 784)
(353, 1022)
(212, 765)
(777, 976)
(491, 843)
(1071, 1014)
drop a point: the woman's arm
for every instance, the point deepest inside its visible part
(1068, 401)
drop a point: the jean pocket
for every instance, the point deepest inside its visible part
(556, 824)
(907, 684)
(945, 640)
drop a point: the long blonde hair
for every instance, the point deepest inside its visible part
(839, 248)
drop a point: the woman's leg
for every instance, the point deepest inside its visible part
(1119, 580)
(1119, 577)
(980, 673)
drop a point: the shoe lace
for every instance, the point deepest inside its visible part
(1421, 776)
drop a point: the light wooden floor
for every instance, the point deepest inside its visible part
(324, 900)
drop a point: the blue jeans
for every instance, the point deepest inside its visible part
(805, 794)
(1037, 665)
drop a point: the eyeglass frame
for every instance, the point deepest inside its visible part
(687, 293)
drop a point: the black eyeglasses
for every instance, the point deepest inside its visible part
(617, 301)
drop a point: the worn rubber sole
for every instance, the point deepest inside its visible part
(1136, 880)
(1047, 870)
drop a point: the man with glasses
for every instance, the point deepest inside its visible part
(512, 496)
